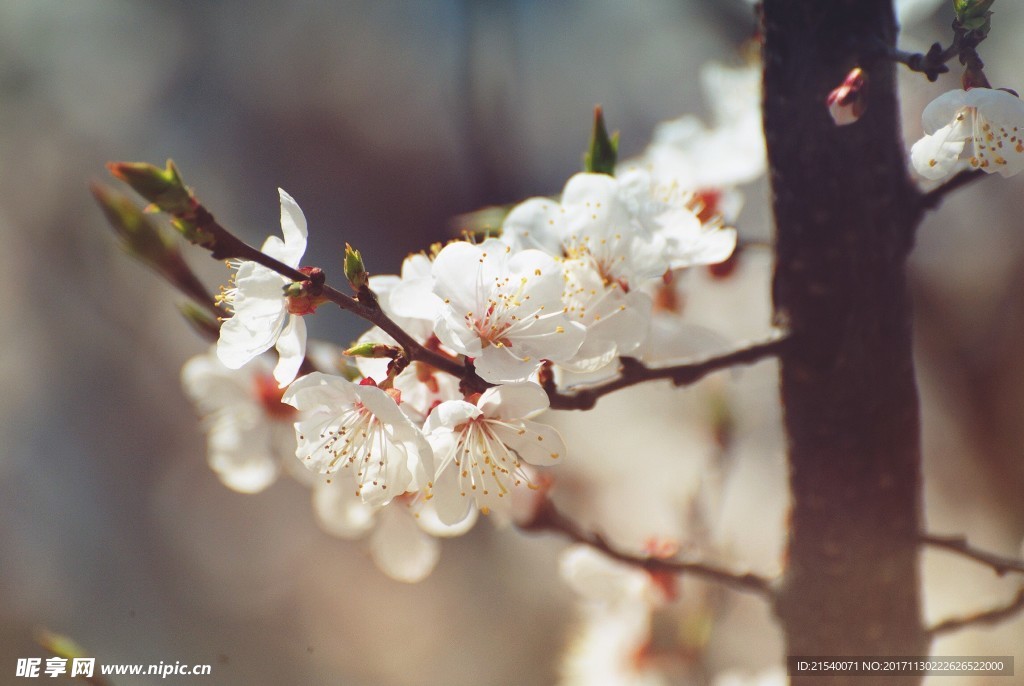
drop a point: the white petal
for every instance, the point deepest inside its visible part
(941, 111)
(240, 454)
(535, 443)
(340, 511)
(535, 223)
(450, 414)
(996, 105)
(212, 386)
(415, 300)
(293, 228)
(428, 520)
(514, 401)
(451, 330)
(598, 577)
(320, 393)
(400, 549)
(452, 505)
(238, 344)
(291, 349)
(499, 365)
(936, 156)
(456, 274)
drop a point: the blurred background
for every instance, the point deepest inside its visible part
(384, 119)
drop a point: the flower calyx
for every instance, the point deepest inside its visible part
(305, 296)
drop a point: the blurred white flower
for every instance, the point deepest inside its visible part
(478, 448)
(615, 235)
(982, 128)
(615, 631)
(263, 316)
(402, 536)
(503, 309)
(730, 152)
(600, 579)
(359, 428)
(249, 430)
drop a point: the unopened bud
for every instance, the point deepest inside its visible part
(59, 645)
(973, 16)
(145, 241)
(847, 103)
(355, 272)
(375, 350)
(139, 235)
(162, 187)
(603, 152)
(971, 9)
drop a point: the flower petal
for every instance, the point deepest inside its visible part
(514, 401)
(936, 156)
(291, 349)
(533, 442)
(339, 510)
(401, 549)
(293, 228)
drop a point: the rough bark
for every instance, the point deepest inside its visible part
(845, 212)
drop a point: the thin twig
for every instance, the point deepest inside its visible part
(931, 64)
(227, 245)
(959, 545)
(633, 372)
(934, 197)
(548, 518)
(988, 617)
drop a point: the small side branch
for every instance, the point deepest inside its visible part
(633, 372)
(931, 63)
(226, 244)
(548, 518)
(984, 618)
(934, 197)
(959, 545)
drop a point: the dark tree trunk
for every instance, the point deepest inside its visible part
(845, 212)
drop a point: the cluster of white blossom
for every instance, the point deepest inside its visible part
(405, 453)
(563, 286)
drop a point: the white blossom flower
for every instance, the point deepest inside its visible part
(249, 430)
(982, 128)
(610, 643)
(402, 536)
(263, 316)
(478, 448)
(615, 235)
(503, 309)
(611, 221)
(361, 429)
(730, 152)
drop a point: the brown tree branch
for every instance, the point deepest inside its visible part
(548, 518)
(959, 545)
(226, 245)
(633, 372)
(988, 617)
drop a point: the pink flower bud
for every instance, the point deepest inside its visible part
(847, 103)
